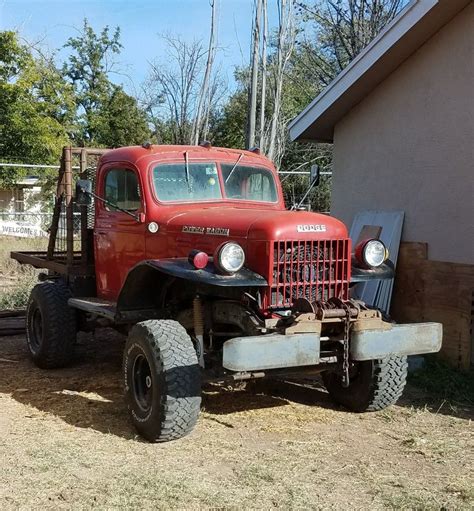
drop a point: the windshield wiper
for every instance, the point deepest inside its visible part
(234, 167)
(186, 169)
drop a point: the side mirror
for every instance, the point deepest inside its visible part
(314, 175)
(84, 192)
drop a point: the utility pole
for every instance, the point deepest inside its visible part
(252, 101)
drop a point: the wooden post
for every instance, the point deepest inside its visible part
(53, 230)
(84, 211)
(69, 206)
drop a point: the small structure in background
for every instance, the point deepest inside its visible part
(23, 197)
(22, 209)
(401, 116)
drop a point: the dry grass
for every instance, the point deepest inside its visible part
(16, 280)
(66, 443)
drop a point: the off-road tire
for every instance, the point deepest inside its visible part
(375, 385)
(162, 380)
(50, 325)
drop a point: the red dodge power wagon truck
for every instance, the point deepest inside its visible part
(191, 252)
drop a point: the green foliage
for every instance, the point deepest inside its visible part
(228, 128)
(300, 157)
(440, 379)
(34, 104)
(120, 122)
(43, 109)
(105, 115)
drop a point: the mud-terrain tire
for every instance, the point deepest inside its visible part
(162, 380)
(50, 325)
(375, 385)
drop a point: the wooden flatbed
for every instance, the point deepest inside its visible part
(58, 264)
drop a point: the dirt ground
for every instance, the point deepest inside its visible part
(66, 443)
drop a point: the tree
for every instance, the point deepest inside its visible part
(228, 127)
(263, 88)
(285, 45)
(204, 107)
(172, 91)
(340, 30)
(34, 108)
(101, 105)
(305, 54)
(254, 65)
(119, 121)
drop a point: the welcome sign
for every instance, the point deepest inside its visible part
(21, 229)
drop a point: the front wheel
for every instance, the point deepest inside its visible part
(162, 380)
(374, 384)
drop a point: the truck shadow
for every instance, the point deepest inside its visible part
(89, 393)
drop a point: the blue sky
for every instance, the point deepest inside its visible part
(141, 22)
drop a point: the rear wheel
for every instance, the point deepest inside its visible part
(374, 384)
(50, 325)
(162, 380)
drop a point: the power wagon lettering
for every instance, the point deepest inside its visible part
(212, 231)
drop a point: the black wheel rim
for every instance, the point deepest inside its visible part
(36, 330)
(142, 383)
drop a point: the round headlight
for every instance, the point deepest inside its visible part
(230, 257)
(374, 253)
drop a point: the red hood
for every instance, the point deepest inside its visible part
(258, 224)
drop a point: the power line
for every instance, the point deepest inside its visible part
(303, 172)
(32, 166)
(39, 166)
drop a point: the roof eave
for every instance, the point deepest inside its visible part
(413, 26)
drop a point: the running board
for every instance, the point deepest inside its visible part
(108, 309)
(94, 305)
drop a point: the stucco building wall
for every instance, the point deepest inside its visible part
(410, 145)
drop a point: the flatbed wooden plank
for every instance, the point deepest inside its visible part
(58, 264)
(12, 313)
(12, 322)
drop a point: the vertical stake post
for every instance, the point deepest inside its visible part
(69, 207)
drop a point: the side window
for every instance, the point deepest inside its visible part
(121, 188)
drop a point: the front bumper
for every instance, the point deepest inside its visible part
(278, 351)
(406, 339)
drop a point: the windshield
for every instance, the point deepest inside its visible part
(200, 182)
(173, 183)
(248, 183)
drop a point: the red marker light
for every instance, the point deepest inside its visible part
(198, 259)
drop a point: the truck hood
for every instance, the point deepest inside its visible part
(256, 224)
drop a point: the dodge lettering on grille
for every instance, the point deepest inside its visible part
(311, 228)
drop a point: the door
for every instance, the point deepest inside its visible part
(119, 238)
